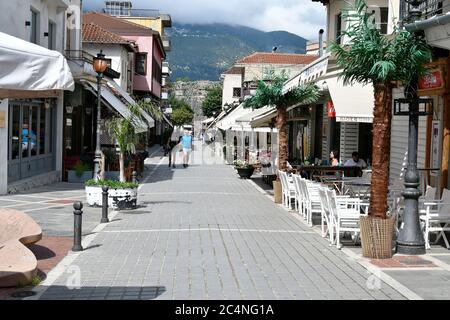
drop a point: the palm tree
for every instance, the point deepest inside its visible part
(122, 129)
(382, 60)
(270, 93)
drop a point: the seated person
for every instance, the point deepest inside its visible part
(355, 161)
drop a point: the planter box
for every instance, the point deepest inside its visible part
(245, 173)
(122, 199)
(73, 178)
(118, 199)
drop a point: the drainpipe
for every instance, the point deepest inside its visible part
(321, 42)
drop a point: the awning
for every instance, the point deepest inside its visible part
(230, 119)
(309, 73)
(27, 66)
(207, 121)
(436, 28)
(263, 119)
(255, 113)
(118, 105)
(114, 86)
(353, 103)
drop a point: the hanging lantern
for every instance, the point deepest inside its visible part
(99, 63)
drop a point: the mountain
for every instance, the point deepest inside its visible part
(203, 52)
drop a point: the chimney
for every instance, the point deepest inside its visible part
(321, 42)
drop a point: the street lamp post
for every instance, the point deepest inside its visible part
(410, 238)
(99, 64)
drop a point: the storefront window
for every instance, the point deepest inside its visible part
(25, 131)
(42, 131)
(15, 134)
(34, 131)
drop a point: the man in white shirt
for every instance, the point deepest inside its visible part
(355, 161)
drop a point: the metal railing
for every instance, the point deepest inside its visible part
(429, 8)
(79, 55)
(127, 12)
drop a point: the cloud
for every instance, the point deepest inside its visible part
(302, 17)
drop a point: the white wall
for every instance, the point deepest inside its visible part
(4, 149)
(14, 14)
(399, 141)
(230, 81)
(118, 55)
(337, 6)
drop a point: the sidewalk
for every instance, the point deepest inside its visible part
(424, 277)
(51, 207)
(203, 233)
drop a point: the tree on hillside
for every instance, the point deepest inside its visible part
(213, 102)
(178, 103)
(182, 116)
(270, 93)
(371, 57)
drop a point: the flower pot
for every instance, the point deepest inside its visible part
(245, 173)
(277, 191)
(118, 199)
(72, 176)
(122, 199)
(376, 237)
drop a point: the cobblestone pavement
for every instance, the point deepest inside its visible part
(202, 233)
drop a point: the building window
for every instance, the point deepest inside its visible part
(34, 25)
(51, 35)
(236, 92)
(384, 17)
(157, 70)
(141, 63)
(338, 28)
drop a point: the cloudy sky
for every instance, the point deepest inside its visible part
(302, 17)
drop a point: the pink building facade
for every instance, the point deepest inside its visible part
(150, 53)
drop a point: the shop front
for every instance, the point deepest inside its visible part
(32, 82)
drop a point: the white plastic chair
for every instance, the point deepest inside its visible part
(345, 214)
(300, 195)
(327, 221)
(288, 190)
(437, 219)
(312, 202)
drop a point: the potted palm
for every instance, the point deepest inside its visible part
(270, 93)
(244, 169)
(383, 61)
(122, 194)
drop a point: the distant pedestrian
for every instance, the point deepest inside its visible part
(356, 161)
(334, 158)
(186, 143)
(172, 143)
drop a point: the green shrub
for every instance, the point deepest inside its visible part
(112, 184)
(80, 168)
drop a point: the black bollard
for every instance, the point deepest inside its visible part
(133, 176)
(78, 212)
(105, 205)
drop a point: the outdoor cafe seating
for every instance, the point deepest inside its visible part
(338, 202)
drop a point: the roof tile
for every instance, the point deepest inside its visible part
(277, 58)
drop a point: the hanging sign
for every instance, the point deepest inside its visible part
(433, 80)
(331, 110)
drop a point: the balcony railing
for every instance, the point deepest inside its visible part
(429, 8)
(79, 55)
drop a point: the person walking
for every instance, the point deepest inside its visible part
(186, 143)
(172, 142)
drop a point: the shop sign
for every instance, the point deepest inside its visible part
(432, 80)
(331, 110)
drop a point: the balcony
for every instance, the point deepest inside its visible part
(166, 44)
(164, 96)
(165, 68)
(429, 8)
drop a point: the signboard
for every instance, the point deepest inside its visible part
(435, 138)
(331, 110)
(432, 81)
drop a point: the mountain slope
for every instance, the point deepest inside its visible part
(203, 52)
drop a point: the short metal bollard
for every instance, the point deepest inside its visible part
(105, 205)
(133, 176)
(78, 212)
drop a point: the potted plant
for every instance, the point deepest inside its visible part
(121, 195)
(80, 173)
(383, 61)
(244, 169)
